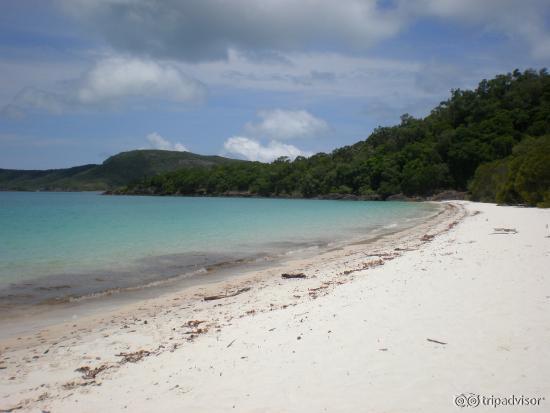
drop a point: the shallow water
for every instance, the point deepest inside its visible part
(59, 246)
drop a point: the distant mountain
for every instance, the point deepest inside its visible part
(118, 170)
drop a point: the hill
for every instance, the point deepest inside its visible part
(494, 140)
(118, 170)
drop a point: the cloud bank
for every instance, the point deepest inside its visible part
(158, 142)
(275, 125)
(201, 30)
(194, 30)
(121, 77)
(111, 81)
(281, 124)
(255, 151)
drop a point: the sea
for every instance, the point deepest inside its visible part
(59, 247)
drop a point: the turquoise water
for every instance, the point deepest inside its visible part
(54, 244)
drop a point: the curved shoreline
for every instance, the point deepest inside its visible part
(155, 325)
(72, 310)
(91, 253)
(59, 295)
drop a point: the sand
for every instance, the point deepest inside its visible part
(403, 324)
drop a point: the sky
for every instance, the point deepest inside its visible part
(82, 80)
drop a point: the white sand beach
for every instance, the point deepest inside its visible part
(458, 305)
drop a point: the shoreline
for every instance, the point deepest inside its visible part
(346, 260)
(353, 335)
(52, 316)
(54, 300)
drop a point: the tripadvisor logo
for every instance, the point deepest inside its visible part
(475, 400)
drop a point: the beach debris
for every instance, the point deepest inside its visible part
(297, 275)
(194, 323)
(133, 357)
(452, 224)
(321, 287)
(314, 291)
(197, 331)
(230, 344)
(70, 385)
(427, 237)
(371, 264)
(226, 295)
(193, 334)
(435, 341)
(89, 373)
(504, 231)
(365, 266)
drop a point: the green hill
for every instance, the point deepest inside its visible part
(494, 140)
(118, 170)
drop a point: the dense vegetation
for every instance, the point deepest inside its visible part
(493, 140)
(118, 170)
(523, 177)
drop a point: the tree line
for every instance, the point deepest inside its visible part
(493, 141)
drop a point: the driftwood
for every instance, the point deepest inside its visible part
(226, 295)
(298, 275)
(504, 231)
(436, 341)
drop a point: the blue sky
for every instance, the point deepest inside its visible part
(81, 80)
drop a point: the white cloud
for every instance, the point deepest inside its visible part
(111, 81)
(278, 124)
(120, 77)
(158, 142)
(255, 151)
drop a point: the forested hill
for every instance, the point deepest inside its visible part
(494, 140)
(116, 171)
